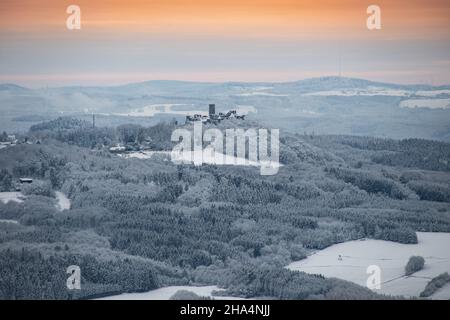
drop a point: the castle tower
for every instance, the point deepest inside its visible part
(212, 110)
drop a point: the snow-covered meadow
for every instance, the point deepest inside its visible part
(63, 203)
(167, 292)
(391, 257)
(5, 197)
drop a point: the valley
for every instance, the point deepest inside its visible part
(138, 224)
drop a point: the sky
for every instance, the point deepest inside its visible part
(222, 40)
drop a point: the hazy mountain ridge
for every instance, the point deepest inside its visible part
(327, 105)
(306, 85)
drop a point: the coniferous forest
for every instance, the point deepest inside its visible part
(140, 224)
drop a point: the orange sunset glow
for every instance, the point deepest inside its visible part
(231, 17)
(201, 23)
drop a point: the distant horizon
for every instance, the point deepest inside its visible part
(139, 81)
(220, 41)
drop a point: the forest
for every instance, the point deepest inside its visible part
(140, 224)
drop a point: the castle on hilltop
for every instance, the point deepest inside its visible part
(214, 118)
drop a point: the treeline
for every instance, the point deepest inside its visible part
(6, 180)
(166, 235)
(410, 153)
(372, 182)
(3, 136)
(60, 124)
(431, 191)
(435, 284)
(258, 281)
(242, 190)
(26, 274)
(31, 161)
(83, 134)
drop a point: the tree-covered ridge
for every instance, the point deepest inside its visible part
(60, 124)
(413, 153)
(220, 225)
(84, 134)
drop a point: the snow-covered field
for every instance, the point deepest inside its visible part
(264, 94)
(432, 93)
(9, 221)
(433, 99)
(144, 154)
(5, 197)
(204, 157)
(391, 257)
(63, 201)
(378, 91)
(167, 292)
(216, 158)
(154, 109)
(426, 103)
(245, 109)
(257, 91)
(369, 91)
